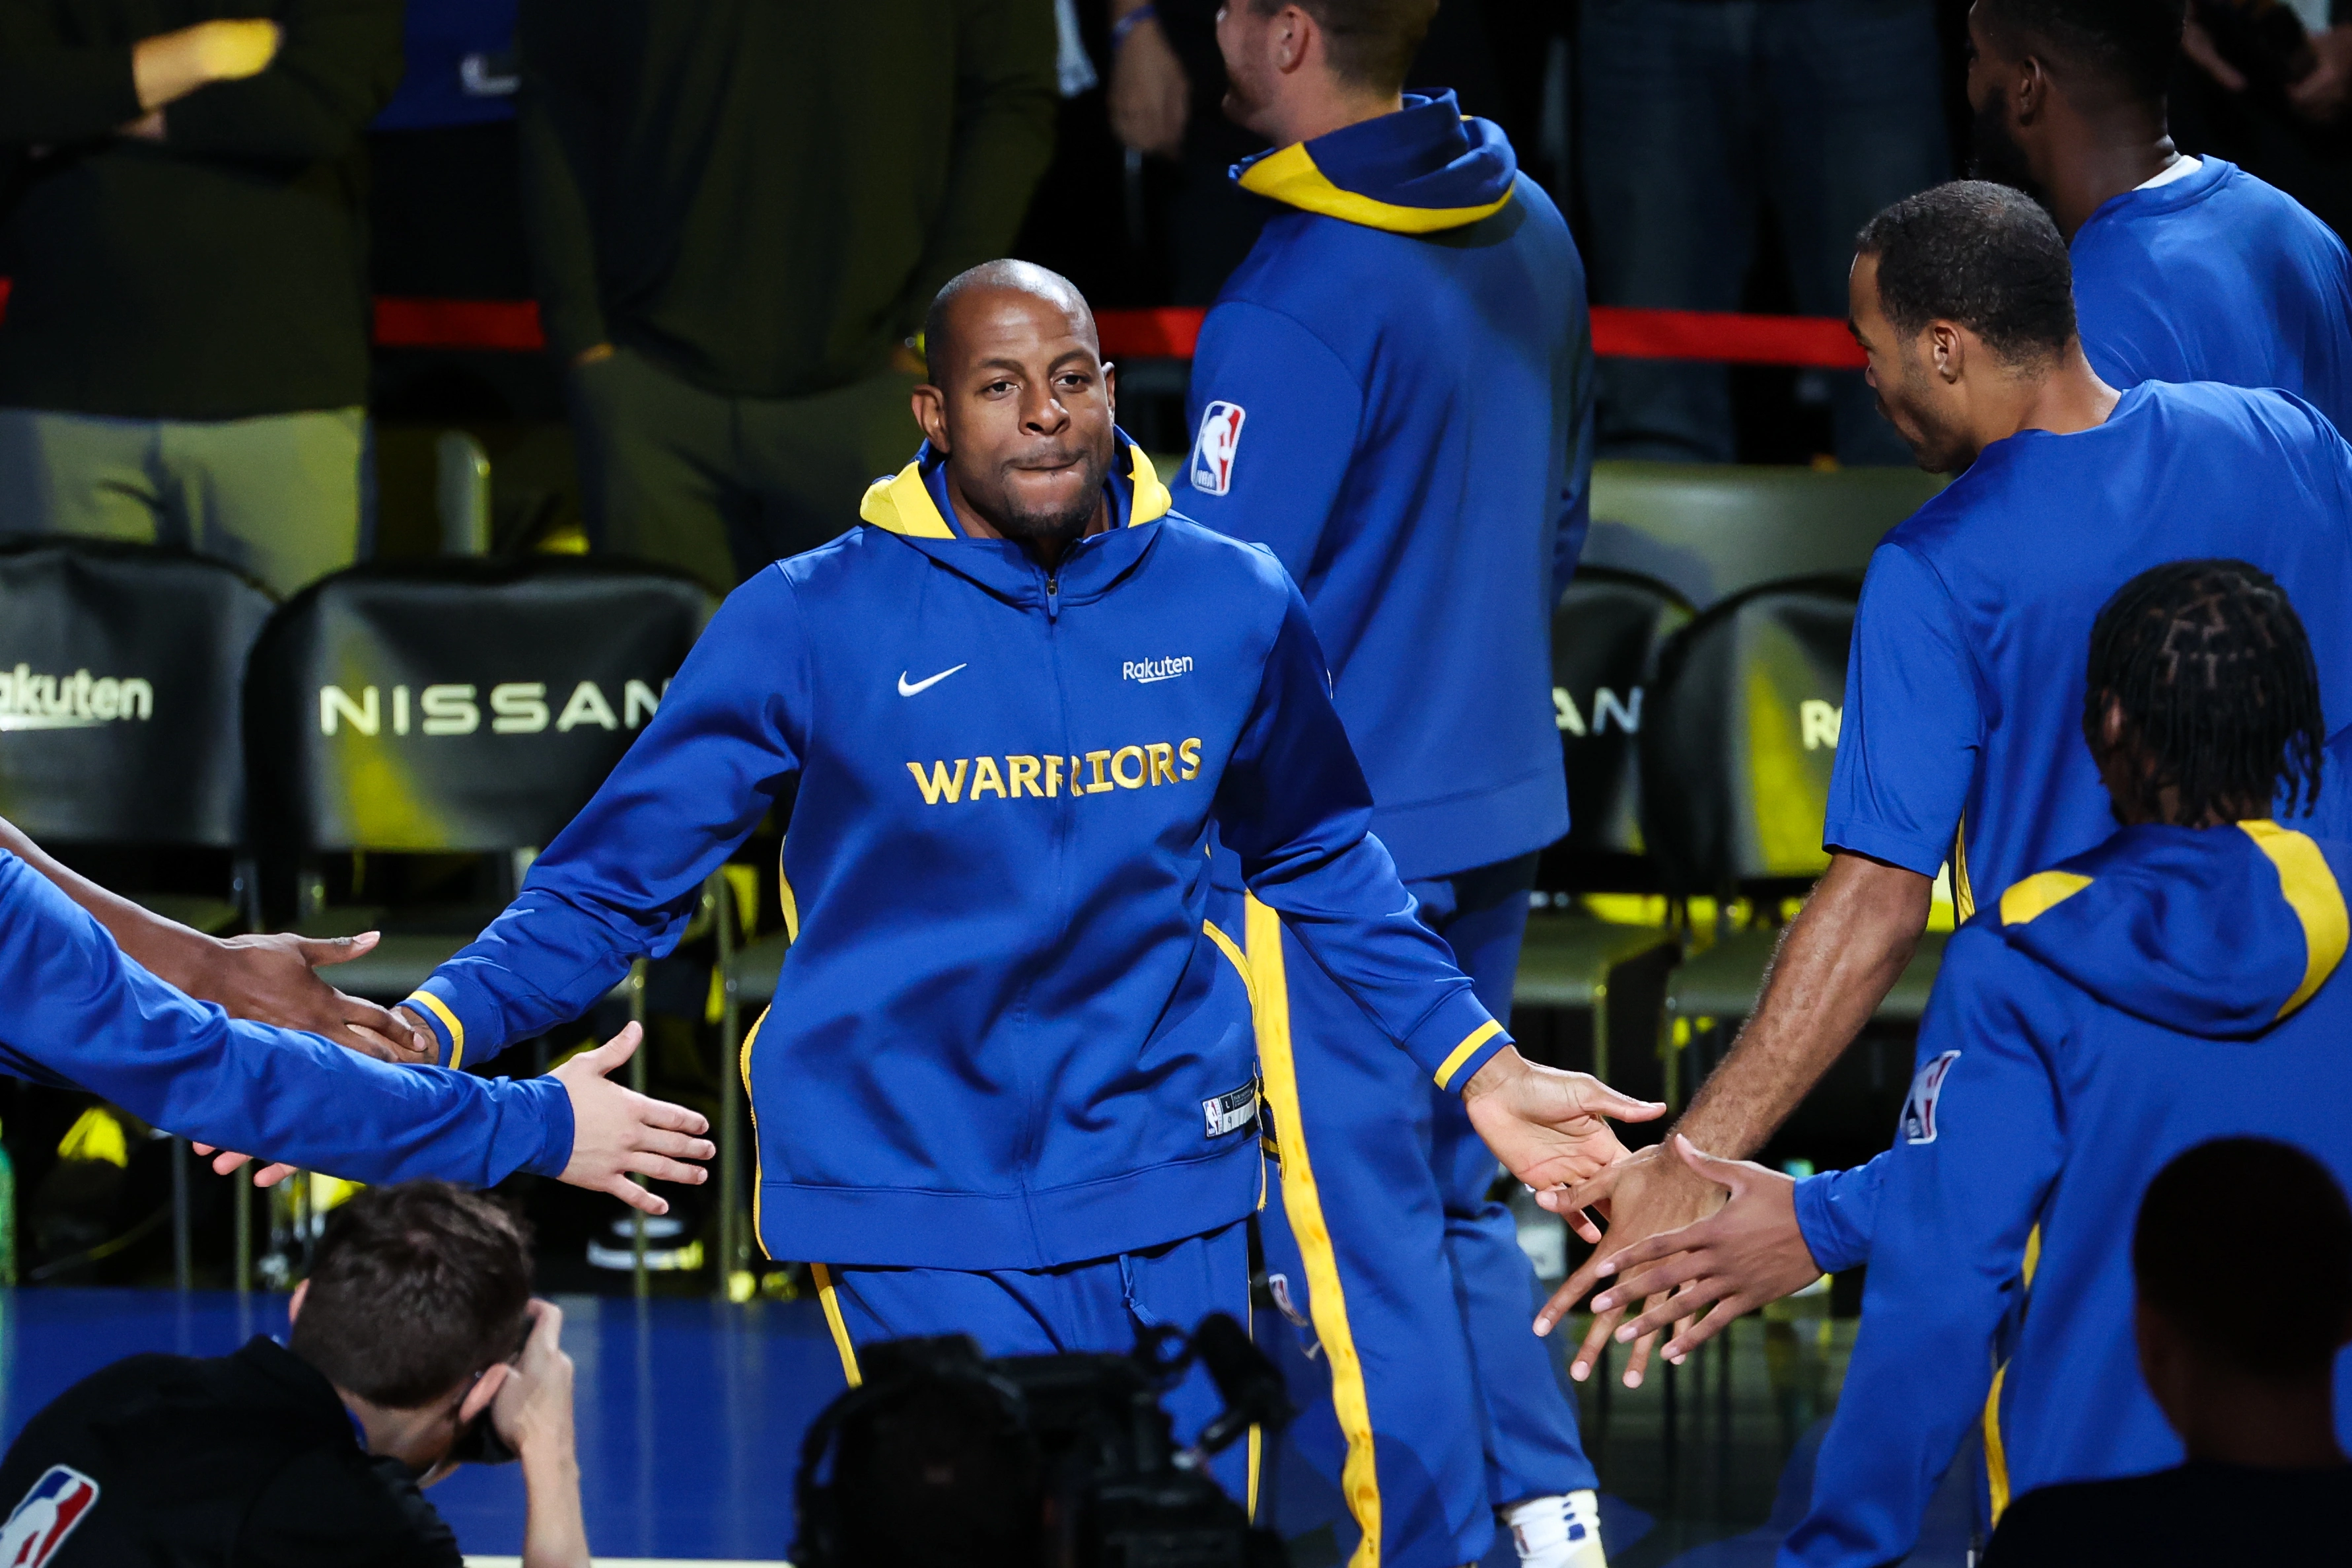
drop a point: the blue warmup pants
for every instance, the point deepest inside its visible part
(1412, 1280)
(1095, 1306)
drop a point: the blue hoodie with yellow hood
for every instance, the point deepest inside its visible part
(2168, 987)
(1394, 394)
(1004, 1036)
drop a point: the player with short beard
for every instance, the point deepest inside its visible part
(1007, 1086)
(2185, 269)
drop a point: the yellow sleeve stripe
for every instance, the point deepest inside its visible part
(440, 1009)
(1466, 1050)
(2311, 892)
(2038, 895)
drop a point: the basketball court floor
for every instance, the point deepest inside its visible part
(691, 1416)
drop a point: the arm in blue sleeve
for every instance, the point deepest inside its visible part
(1294, 806)
(1981, 1148)
(1576, 493)
(1286, 414)
(621, 879)
(1837, 1212)
(1912, 723)
(73, 1009)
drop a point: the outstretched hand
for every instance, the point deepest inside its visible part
(1746, 1253)
(1550, 1127)
(1700, 1276)
(1647, 1193)
(271, 977)
(617, 1132)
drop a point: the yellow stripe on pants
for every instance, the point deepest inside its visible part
(828, 1297)
(1303, 1203)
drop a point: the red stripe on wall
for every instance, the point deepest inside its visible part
(1718, 337)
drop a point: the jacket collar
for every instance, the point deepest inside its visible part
(1427, 168)
(913, 504)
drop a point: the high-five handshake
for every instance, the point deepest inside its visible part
(228, 1043)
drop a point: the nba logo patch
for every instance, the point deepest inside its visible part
(47, 1516)
(1919, 1105)
(1213, 451)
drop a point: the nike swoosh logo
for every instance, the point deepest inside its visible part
(908, 690)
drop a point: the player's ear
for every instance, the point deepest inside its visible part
(930, 410)
(1110, 385)
(1947, 348)
(2030, 89)
(486, 1388)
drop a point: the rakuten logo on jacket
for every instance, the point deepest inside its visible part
(1045, 777)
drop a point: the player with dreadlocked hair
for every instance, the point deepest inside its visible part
(2210, 663)
(2170, 987)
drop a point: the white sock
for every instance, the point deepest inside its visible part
(1556, 1531)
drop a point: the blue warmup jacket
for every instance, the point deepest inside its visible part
(76, 1014)
(1002, 1038)
(2170, 987)
(1394, 394)
(2217, 276)
(1963, 718)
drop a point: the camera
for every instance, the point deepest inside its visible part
(945, 1457)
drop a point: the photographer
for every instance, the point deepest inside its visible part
(313, 1451)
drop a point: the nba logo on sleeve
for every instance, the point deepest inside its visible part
(1213, 453)
(1919, 1105)
(47, 1515)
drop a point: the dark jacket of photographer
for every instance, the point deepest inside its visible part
(248, 1459)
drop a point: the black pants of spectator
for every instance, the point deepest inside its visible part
(1697, 112)
(721, 486)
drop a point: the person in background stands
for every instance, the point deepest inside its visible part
(2185, 269)
(737, 213)
(1692, 114)
(1394, 393)
(185, 358)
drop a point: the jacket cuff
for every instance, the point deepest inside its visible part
(1836, 1243)
(1457, 1039)
(464, 1026)
(554, 1102)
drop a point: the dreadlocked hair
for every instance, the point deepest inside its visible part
(2219, 690)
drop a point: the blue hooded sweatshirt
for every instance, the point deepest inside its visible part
(1394, 394)
(2217, 276)
(2168, 987)
(1004, 1036)
(76, 1012)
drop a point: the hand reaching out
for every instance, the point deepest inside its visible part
(1548, 1126)
(616, 1133)
(1647, 1193)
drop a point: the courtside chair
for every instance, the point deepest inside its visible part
(1713, 531)
(452, 708)
(122, 682)
(1736, 774)
(1606, 635)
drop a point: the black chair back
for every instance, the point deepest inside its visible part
(463, 705)
(1742, 735)
(1606, 637)
(121, 690)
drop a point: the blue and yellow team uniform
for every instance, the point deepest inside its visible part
(74, 1013)
(1392, 394)
(1003, 1042)
(2170, 987)
(2217, 276)
(1962, 733)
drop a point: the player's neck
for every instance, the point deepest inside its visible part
(1321, 107)
(2262, 1422)
(2103, 160)
(2064, 401)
